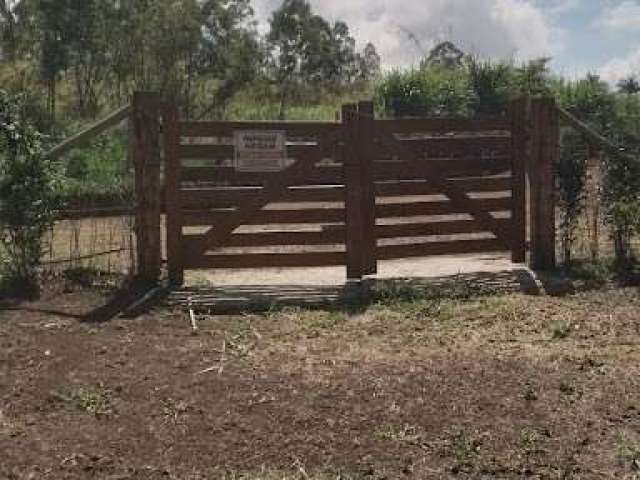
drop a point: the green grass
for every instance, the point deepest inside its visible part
(270, 111)
(629, 452)
(98, 170)
(96, 401)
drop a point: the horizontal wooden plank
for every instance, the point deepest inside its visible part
(449, 168)
(227, 152)
(335, 234)
(456, 145)
(432, 228)
(226, 129)
(443, 125)
(265, 260)
(417, 209)
(226, 197)
(98, 212)
(322, 175)
(267, 217)
(423, 187)
(270, 239)
(439, 248)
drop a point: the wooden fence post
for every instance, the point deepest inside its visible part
(146, 123)
(544, 155)
(172, 181)
(353, 200)
(366, 134)
(518, 112)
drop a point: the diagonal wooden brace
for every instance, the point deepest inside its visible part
(218, 235)
(455, 195)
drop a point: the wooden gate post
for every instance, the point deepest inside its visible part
(518, 113)
(353, 201)
(173, 199)
(146, 157)
(545, 144)
(366, 151)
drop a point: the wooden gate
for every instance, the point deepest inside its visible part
(439, 186)
(351, 193)
(218, 217)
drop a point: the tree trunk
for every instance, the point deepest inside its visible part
(283, 101)
(51, 101)
(11, 44)
(188, 87)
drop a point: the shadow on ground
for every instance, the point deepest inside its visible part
(247, 298)
(97, 308)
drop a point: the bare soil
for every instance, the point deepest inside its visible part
(507, 386)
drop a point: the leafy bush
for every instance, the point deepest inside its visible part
(98, 170)
(624, 215)
(571, 169)
(494, 85)
(27, 197)
(476, 87)
(621, 199)
(592, 101)
(430, 91)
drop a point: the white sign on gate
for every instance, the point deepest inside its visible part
(260, 150)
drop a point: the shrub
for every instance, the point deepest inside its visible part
(98, 170)
(571, 169)
(624, 215)
(621, 199)
(493, 85)
(430, 91)
(477, 87)
(27, 197)
(592, 101)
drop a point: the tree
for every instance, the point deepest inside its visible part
(229, 49)
(54, 28)
(287, 38)
(629, 85)
(88, 48)
(370, 62)
(306, 48)
(8, 45)
(28, 198)
(446, 55)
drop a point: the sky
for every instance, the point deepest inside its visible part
(595, 36)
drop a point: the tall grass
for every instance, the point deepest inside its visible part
(99, 172)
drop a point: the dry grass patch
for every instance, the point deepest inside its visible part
(418, 386)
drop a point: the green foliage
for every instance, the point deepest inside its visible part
(621, 198)
(629, 452)
(629, 85)
(571, 171)
(392, 293)
(432, 91)
(593, 274)
(27, 197)
(624, 215)
(493, 85)
(99, 168)
(306, 48)
(475, 87)
(96, 401)
(592, 101)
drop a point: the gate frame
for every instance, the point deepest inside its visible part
(534, 129)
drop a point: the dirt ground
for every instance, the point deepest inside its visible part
(499, 386)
